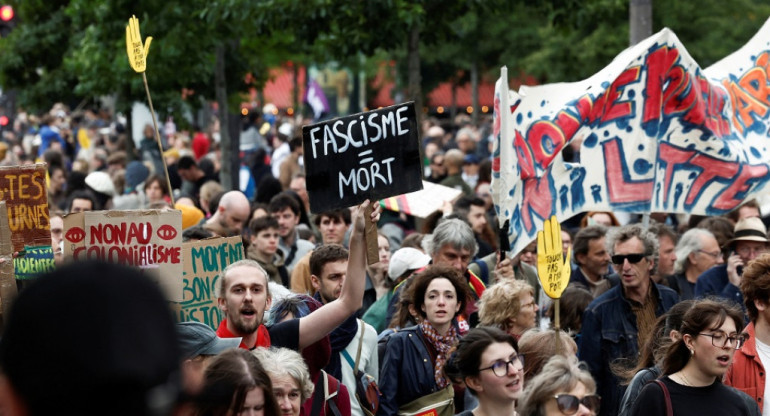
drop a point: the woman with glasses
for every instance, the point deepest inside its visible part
(412, 379)
(694, 366)
(487, 363)
(561, 388)
(510, 306)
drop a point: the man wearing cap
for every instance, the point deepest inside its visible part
(750, 241)
(102, 187)
(243, 297)
(198, 344)
(404, 262)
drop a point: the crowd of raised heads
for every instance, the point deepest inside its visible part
(663, 314)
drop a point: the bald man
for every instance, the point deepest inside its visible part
(230, 216)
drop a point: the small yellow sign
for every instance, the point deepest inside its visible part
(552, 269)
(137, 53)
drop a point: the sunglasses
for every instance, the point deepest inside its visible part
(569, 404)
(619, 259)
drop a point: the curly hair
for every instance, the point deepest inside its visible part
(501, 302)
(422, 280)
(755, 284)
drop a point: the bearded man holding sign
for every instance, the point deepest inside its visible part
(619, 322)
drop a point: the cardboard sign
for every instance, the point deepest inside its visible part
(371, 155)
(424, 202)
(33, 261)
(203, 262)
(150, 240)
(8, 289)
(24, 191)
(655, 133)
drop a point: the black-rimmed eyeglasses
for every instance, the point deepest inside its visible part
(500, 367)
(721, 340)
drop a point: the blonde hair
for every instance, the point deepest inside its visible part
(538, 346)
(501, 302)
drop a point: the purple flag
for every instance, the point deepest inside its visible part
(316, 98)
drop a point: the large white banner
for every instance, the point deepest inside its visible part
(656, 133)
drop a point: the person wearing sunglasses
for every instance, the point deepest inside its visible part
(694, 366)
(562, 388)
(487, 363)
(617, 323)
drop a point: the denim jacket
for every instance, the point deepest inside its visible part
(609, 332)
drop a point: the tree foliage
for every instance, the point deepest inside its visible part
(73, 50)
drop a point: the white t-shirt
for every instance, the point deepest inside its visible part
(763, 350)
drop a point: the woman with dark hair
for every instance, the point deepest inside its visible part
(156, 189)
(236, 384)
(695, 363)
(412, 376)
(487, 363)
(664, 332)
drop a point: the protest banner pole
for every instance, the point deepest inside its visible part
(157, 137)
(137, 52)
(370, 233)
(553, 270)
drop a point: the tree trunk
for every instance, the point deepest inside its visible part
(640, 20)
(295, 87)
(475, 93)
(413, 57)
(220, 86)
(453, 104)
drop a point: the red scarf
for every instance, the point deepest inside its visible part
(263, 337)
(442, 344)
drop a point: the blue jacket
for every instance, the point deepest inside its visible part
(407, 371)
(609, 332)
(714, 282)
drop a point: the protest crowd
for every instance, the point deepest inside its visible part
(666, 315)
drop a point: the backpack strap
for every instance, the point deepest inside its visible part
(667, 396)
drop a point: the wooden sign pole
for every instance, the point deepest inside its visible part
(370, 232)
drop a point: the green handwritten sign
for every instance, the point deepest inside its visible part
(203, 263)
(33, 261)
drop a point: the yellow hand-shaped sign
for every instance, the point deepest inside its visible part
(137, 53)
(552, 269)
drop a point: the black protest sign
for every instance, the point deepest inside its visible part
(371, 155)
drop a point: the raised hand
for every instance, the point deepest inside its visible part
(552, 269)
(137, 53)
